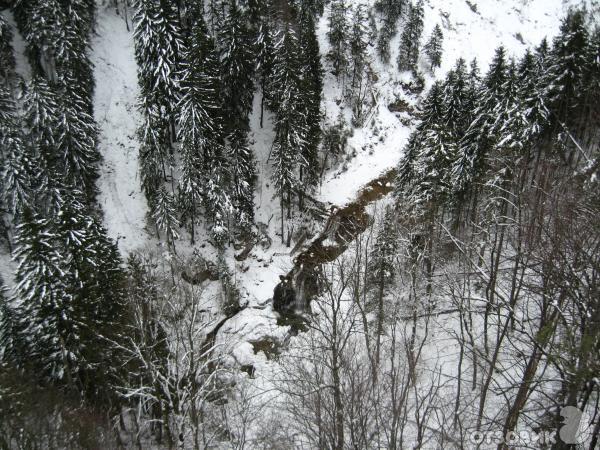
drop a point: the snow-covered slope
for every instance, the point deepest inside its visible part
(116, 114)
(472, 29)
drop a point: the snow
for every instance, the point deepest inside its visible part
(516, 24)
(116, 114)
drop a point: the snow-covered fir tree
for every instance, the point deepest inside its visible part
(18, 172)
(164, 213)
(7, 57)
(69, 299)
(199, 125)
(434, 47)
(237, 68)
(391, 11)
(311, 90)
(241, 166)
(290, 124)
(337, 34)
(410, 42)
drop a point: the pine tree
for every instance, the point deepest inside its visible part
(290, 124)
(265, 50)
(199, 122)
(311, 91)
(164, 214)
(18, 168)
(478, 140)
(237, 69)
(76, 142)
(158, 47)
(70, 298)
(391, 10)
(358, 48)
(566, 67)
(219, 204)
(7, 57)
(243, 178)
(458, 114)
(411, 37)
(433, 48)
(338, 36)
(154, 150)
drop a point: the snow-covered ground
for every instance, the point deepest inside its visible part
(117, 116)
(471, 30)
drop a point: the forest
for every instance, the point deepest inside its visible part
(299, 224)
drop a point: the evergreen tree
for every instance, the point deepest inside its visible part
(423, 172)
(358, 47)
(478, 140)
(18, 171)
(592, 75)
(531, 95)
(338, 36)
(408, 56)
(458, 114)
(290, 124)
(7, 57)
(199, 121)
(76, 145)
(237, 69)
(391, 10)
(566, 67)
(265, 50)
(158, 47)
(219, 204)
(70, 299)
(311, 90)
(243, 178)
(153, 151)
(433, 48)
(164, 214)
(41, 112)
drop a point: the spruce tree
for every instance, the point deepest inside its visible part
(338, 36)
(7, 57)
(154, 149)
(158, 47)
(531, 94)
(566, 68)
(391, 10)
(237, 69)
(199, 122)
(70, 298)
(434, 47)
(219, 204)
(458, 114)
(358, 48)
(265, 50)
(311, 91)
(18, 168)
(164, 214)
(242, 170)
(41, 112)
(478, 140)
(76, 141)
(290, 124)
(408, 55)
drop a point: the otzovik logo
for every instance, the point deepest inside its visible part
(577, 426)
